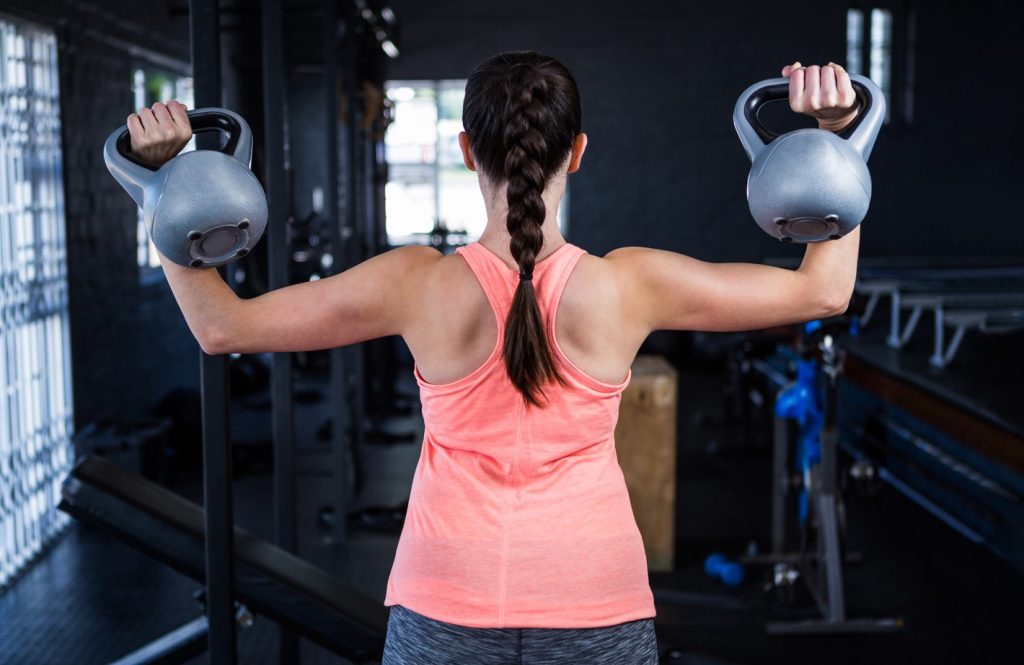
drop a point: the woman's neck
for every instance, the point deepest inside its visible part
(495, 236)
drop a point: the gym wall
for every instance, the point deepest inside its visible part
(129, 342)
(659, 80)
(663, 168)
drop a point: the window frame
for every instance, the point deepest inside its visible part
(438, 86)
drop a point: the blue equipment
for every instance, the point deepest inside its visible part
(801, 402)
(729, 572)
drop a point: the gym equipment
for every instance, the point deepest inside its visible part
(729, 572)
(268, 580)
(203, 208)
(948, 441)
(799, 402)
(808, 185)
(988, 300)
(821, 509)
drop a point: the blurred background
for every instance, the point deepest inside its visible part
(842, 491)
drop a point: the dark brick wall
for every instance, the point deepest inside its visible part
(129, 342)
(659, 80)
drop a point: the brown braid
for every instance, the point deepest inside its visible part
(522, 116)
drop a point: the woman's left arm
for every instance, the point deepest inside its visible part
(373, 299)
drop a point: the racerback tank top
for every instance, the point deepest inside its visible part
(519, 516)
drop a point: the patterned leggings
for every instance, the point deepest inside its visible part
(413, 639)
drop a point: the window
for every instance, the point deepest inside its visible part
(881, 50)
(854, 41)
(35, 388)
(148, 87)
(871, 44)
(429, 188)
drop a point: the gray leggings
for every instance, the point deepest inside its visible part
(413, 639)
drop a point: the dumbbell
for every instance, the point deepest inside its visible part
(729, 572)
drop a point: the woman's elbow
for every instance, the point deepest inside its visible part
(835, 305)
(215, 342)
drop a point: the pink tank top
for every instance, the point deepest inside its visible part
(519, 517)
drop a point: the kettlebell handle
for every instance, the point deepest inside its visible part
(133, 175)
(861, 133)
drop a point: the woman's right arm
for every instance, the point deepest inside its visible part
(377, 298)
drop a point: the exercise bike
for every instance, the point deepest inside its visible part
(811, 402)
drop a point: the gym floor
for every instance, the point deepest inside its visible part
(93, 599)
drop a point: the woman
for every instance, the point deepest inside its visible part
(519, 544)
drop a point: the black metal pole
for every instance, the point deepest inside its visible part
(380, 177)
(369, 159)
(355, 232)
(352, 113)
(275, 150)
(338, 360)
(217, 489)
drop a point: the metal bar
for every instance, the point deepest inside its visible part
(935, 452)
(351, 78)
(825, 627)
(908, 331)
(178, 646)
(954, 345)
(370, 190)
(217, 477)
(935, 509)
(894, 320)
(356, 239)
(218, 499)
(340, 430)
(976, 297)
(380, 179)
(940, 340)
(830, 565)
(835, 601)
(282, 416)
(869, 309)
(780, 488)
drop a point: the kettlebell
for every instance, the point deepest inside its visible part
(203, 208)
(808, 185)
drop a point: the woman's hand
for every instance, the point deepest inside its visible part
(824, 93)
(158, 134)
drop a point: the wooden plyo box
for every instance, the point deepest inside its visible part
(645, 442)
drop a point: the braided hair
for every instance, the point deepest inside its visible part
(522, 115)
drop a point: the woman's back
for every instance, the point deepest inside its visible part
(455, 330)
(519, 514)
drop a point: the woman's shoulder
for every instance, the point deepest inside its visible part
(422, 267)
(591, 281)
(613, 280)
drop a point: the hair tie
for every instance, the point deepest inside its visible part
(526, 276)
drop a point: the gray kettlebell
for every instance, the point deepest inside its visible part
(808, 185)
(203, 208)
